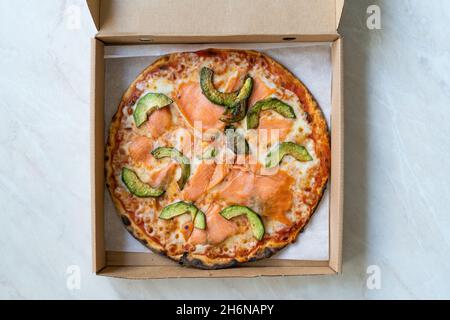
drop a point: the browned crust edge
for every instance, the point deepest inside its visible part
(322, 146)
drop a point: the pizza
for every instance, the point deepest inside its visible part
(217, 157)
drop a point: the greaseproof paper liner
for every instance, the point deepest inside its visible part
(310, 62)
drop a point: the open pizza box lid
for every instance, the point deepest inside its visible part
(196, 20)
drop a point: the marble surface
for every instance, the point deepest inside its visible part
(396, 183)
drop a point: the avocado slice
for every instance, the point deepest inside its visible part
(238, 110)
(200, 220)
(166, 152)
(225, 99)
(178, 208)
(254, 219)
(235, 103)
(137, 187)
(236, 142)
(275, 156)
(268, 104)
(147, 104)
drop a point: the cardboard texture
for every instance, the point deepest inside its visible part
(140, 21)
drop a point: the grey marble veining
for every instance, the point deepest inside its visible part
(397, 217)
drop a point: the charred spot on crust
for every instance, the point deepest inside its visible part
(197, 263)
(206, 53)
(125, 220)
(308, 117)
(268, 252)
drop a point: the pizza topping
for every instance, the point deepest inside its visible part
(272, 194)
(220, 172)
(198, 236)
(268, 104)
(237, 188)
(226, 99)
(275, 156)
(174, 154)
(198, 183)
(137, 187)
(139, 149)
(238, 110)
(196, 107)
(235, 103)
(273, 129)
(255, 221)
(147, 104)
(159, 122)
(219, 228)
(177, 209)
(161, 177)
(260, 91)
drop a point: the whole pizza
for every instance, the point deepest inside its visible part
(217, 157)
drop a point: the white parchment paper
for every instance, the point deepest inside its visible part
(310, 62)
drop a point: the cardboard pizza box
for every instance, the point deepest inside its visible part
(121, 22)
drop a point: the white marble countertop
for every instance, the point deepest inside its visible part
(397, 132)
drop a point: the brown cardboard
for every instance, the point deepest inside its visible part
(218, 18)
(134, 22)
(97, 151)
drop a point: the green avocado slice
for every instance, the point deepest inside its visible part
(268, 104)
(166, 152)
(275, 156)
(226, 99)
(238, 110)
(137, 187)
(255, 221)
(200, 220)
(147, 104)
(178, 208)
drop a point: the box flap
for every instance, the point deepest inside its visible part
(339, 9)
(216, 18)
(94, 8)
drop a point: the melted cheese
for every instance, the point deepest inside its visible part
(226, 77)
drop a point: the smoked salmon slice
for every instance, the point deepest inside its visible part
(234, 82)
(218, 229)
(274, 195)
(199, 181)
(159, 122)
(196, 107)
(140, 148)
(260, 91)
(161, 178)
(198, 236)
(220, 173)
(273, 129)
(237, 187)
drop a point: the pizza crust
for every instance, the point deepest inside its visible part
(267, 247)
